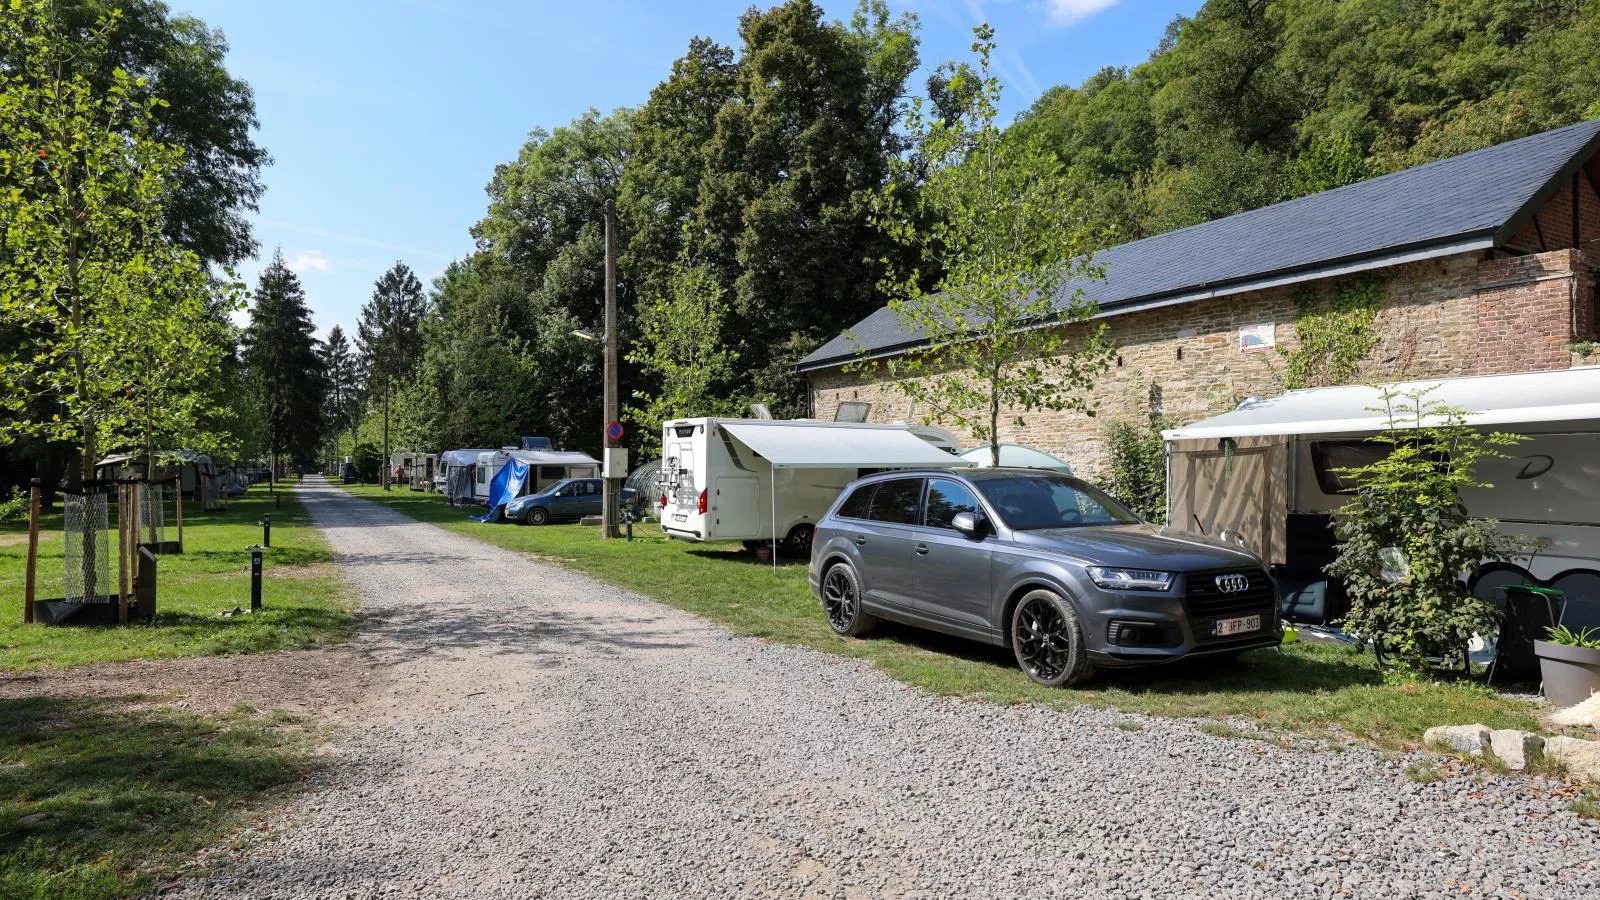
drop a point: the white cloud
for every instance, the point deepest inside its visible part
(310, 260)
(1066, 12)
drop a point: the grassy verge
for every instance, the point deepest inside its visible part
(100, 797)
(305, 601)
(1302, 688)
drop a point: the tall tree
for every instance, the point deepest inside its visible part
(205, 111)
(389, 337)
(1013, 251)
(107, 333)
(109, 321)
(286, 365)
(343, 370)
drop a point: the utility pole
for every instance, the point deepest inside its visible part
(612, 500)
(384, 468)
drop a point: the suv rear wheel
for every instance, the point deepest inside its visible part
(1048, 640)
(841, 600)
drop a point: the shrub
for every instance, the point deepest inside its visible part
(1139, 467)
(1406, 538)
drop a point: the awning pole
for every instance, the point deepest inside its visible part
(772, 480)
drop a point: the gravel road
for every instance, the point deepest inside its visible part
(538, 733)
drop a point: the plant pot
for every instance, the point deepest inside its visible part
(1570, 674)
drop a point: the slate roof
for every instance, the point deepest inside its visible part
(1473, 201)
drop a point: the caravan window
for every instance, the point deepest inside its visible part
(552, 473)
(1328, 457)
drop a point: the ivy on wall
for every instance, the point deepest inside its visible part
(1334, 335)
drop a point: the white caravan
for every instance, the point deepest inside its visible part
(1265, 475)
(760, 480)
(546, 467)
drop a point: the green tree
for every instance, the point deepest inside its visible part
(1405, 537)
(115, 320)
(343, 370)
(1014, 253)
(389, 337)
(680, 345)
(286, 366)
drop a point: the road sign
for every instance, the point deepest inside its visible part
(614, 431)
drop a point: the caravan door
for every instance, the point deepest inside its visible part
(738, 507)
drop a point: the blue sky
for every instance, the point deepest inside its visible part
(385, 118)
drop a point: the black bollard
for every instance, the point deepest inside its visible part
(627, 518)
(255, 579)
(277, 501)
(266, 530)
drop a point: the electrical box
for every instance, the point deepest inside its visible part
(616, 462)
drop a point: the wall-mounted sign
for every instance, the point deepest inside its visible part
(1253, 338)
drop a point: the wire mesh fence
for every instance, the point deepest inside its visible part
(151, 502)
(87, 550)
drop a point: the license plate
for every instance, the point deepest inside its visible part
(680, 517)
(1225, 627)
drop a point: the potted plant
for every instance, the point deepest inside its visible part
(1570, 664)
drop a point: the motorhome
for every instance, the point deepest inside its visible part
(766, 480)
(545, 467)
(1266, 475)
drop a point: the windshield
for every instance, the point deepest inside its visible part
(1047, 500)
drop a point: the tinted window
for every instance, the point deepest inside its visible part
(546, 473)
(857, 505)
(898, 501)
(945, 499)
(1028, 502)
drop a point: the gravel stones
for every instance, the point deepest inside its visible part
(542, 734)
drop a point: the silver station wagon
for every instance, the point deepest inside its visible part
(1043, 563)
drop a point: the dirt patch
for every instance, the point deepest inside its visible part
(329, 684)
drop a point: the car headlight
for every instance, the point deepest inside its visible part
(1130, 579)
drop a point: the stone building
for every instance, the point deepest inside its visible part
(1486, 263)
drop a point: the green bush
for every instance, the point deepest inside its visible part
(1139, 467)
(1406, 538)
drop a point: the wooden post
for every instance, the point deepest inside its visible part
(33, 552)
(177, 497)
(123, 490)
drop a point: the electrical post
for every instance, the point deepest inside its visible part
(613, 485)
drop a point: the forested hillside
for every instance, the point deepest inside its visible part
(743, 183)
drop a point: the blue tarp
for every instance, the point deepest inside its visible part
(506, 487)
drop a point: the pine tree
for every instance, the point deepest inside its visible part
(343, 370)
(285, 364)
(389, 335)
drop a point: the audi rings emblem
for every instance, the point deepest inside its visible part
(1232, 584)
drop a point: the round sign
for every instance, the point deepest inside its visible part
(614, 431)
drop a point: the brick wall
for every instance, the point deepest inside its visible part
(1185, 360)
(1553, 221)
(1526, 312)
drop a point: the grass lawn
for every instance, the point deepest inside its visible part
(1303, 688)
(100, 797)
(305, 601)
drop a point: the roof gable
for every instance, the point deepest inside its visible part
(1475, 200)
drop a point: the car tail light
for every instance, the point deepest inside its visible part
(663, 501)
(700, 507)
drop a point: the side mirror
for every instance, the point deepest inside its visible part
(969, 523)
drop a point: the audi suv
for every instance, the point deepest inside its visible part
(1043, 563)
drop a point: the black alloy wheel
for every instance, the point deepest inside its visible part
(798, 544)
(1048, 642)
(841, 600)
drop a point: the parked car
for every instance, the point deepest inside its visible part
(565, 501)
(1040, 562)
(349, 474)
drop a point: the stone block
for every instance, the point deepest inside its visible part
(1515, 748)
(1472, 740)
(1581, 757)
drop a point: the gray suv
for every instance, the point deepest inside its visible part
(1043, 563)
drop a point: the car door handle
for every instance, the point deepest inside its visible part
(922, 549)
(861, 542)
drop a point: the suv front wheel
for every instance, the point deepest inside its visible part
(1048, 640)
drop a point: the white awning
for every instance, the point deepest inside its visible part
(1568, 396)
(836, 446)
(553, 458)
